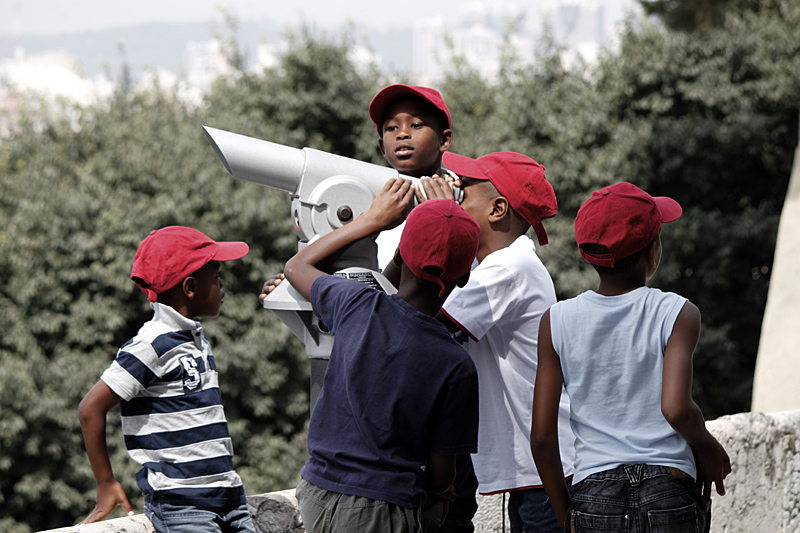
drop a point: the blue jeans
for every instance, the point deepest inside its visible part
(530, 511)
(638, 499)
(171, 518)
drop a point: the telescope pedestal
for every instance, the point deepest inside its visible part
(295, 311)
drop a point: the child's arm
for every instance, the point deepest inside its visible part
(441, 473)
(386, 212)
(544, 429)
(92, 412)
(678, 407)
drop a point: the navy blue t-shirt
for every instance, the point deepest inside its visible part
(397, 387)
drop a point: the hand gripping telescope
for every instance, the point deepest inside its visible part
(327, 191)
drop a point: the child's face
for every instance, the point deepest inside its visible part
(413, 141)
(208, 291)
(478, 202)
(478, 196)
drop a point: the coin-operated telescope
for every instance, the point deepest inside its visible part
(328, 191)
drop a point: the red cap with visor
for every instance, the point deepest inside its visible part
(624, 219)
(168, 255)
(518, 178)
(386, 95)
(439, 233)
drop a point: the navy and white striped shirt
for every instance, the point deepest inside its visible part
(172, 416)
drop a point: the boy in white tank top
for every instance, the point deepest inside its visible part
(624, 353)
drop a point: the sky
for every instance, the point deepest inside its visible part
(50, 17)
(53, 17)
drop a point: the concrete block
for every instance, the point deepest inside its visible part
(762, 491)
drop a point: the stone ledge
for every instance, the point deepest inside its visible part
(128, 524)
(762, 492)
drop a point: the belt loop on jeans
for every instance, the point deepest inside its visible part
(634, 473)
(676, 473)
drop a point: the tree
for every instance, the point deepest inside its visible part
(316, 97)
(709, 119)
(716, 117)
(79, 192)
(689, 15)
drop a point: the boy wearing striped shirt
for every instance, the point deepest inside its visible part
(165, 380)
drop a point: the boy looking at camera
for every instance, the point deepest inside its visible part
(399, 393)
(165, 380)
(414, 130)
(624, 353)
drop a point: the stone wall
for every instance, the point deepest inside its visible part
(762, 492)
(777, 365)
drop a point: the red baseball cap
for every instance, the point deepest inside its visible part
(517, 177)
(168, 255)
(624, 219)
(386, 95)
(439, 233)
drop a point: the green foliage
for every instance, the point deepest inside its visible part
(78, 198)
(316, 97)
(715, 115)
(689, 15)
(709, 119)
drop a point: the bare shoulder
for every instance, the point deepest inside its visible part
(688, 318)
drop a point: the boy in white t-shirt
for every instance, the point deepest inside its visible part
(499, 310)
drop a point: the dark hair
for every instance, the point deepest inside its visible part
(621, 266)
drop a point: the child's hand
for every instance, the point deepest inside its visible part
(270, 286)
(109, 496)
(453, 180)
(713, 465)
(388, 209)
(434, 187)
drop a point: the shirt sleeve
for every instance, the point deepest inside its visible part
(132, 371)
(333, 298)
(490, 295)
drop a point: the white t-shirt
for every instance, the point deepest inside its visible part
(500, 309)
(387, 242)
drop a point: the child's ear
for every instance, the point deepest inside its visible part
(397, 259)
(446, 140)
(651, 255)
(189, 286)
(500, 209)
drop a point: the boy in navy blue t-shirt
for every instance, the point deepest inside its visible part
(399, 399)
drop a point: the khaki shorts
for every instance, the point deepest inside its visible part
(324, 511)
